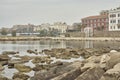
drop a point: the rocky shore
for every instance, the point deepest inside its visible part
(57, 64)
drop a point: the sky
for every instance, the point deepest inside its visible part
(13, 12)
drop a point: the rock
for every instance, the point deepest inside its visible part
(31, 51)
(112, 74)
(4, 58)
(1, 68)
(3, 78)
(9, 52)
(94, 73)
(40, 67)
(3, 63)
(93, 59)
(88, 66)
(69, 75)
(42, 60)
(22, 68)
(86, 53)
(11, 63)
(25, 58)
(109, 60)
(112, 51)
(56, 71)
(18, 79)
(20, 76)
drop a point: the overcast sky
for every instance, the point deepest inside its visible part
(48, 11)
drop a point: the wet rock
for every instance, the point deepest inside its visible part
(9, 52)
(25, 58)
(42, 60)
(36, 60)
(86, 53)
(22, 68)
(69, 75)
(21, 76)
(94, 73)
(11, 63)
(41, 67)
(4, 57)
(31, 51)
(112, 74)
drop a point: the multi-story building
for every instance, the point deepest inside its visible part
(61, 27)
(114, 19)
(98, 22)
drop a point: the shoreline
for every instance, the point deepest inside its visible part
(59, 38)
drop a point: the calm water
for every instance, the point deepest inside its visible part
(23, 46)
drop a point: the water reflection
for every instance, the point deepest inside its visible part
(22, 46)
(88, 44)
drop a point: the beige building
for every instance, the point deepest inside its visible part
(62, 27)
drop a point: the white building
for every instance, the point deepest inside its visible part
(114, 19)
(62, 27)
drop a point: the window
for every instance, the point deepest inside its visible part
(118, 26)
(111, 21)
(94, 20)
(114, 21)
(114, 27)
(118, 21)
(98, 24)
(102, 23)
(112, 15)
(111, 27)
(119, 15)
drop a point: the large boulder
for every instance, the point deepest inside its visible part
(109, 60)
(22, 68)
(56, 71)
(71, 75)
(93, 73)
(112, 74)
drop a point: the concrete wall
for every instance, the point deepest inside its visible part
(97, 34)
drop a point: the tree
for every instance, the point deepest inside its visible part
(43, 33)
(4, 31)
(54, 33)
(14, 33)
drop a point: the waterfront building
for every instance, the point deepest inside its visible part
(98, 23)
(61, 27)
(114, 19)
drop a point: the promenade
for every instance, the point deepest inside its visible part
(59, 38)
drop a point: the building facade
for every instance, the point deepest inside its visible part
(98, 22)
(61, 27)
(114, 19)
